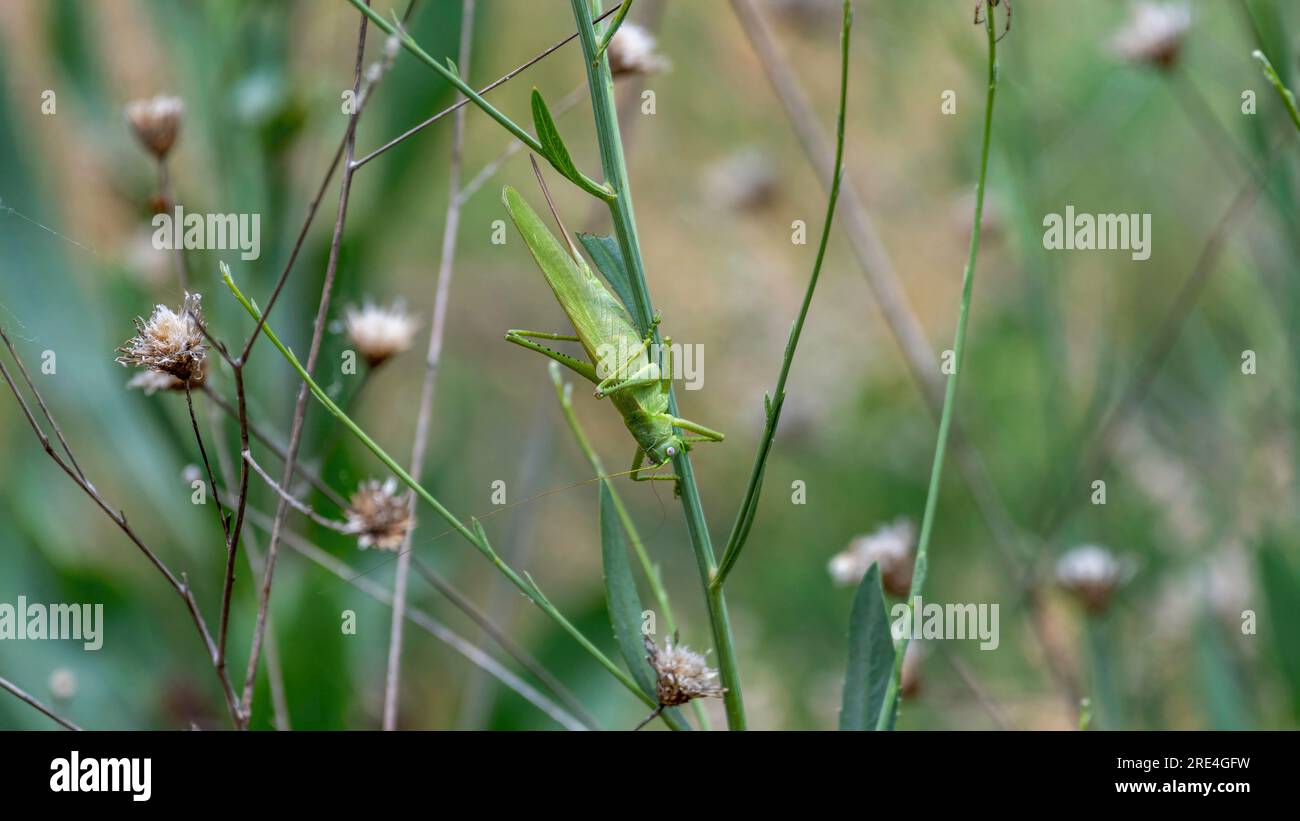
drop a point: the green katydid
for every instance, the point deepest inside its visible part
(637, 387)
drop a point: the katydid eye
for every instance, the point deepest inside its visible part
(671, 451)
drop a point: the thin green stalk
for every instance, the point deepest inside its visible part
(890, 705)
(1288, 99)
(476, 537)
(772, 406)
(622, 217)
(563, 391)
(452, 75)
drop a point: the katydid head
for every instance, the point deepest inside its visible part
(665, 449)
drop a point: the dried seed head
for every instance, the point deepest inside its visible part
(169, 342)
(1155, 33)
(156, 123)
(891, 546)
(632, 51)
(680, 674)
(379, 516)
(380, 333)
(1092, 574)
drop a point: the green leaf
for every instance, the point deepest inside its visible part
(624, 603)
(1281, 587)
(871, 656)
(608, 257)
(620, 593)
(552, 143)
(1227, 705)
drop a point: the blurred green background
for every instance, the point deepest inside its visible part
(1201, 492)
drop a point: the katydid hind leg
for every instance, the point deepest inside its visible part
(709, 434)
(583, 369)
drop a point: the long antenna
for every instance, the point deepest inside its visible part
(573, 249)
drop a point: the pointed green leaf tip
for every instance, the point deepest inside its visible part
(552, 143)
(871, 656)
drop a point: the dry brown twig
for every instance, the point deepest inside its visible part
(178, 583)
(22, 695)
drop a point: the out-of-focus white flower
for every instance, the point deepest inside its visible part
(632, 51)
(156, 122)
(191, 473)
(380, 333)
(743, 180)
(1092, 573)
(891, 546)
(1154, 34)
(63, 684)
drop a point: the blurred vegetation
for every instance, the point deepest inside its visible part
(1201, 489)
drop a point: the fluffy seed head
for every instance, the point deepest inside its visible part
(156, 122)
(1155, 33)
(680, 674)
(169, 342)
(890, 546)
(379, 516)
(380, 333)
(632, 51)
(1092, 573)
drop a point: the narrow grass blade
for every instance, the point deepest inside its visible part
(871, 656)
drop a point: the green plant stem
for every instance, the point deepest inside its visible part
(772, 406)
(563, 392)
(408, 42)
(476, 537)
(890, 704)
(622, 217)
(1288, 99)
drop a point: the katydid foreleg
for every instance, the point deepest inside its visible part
(638, 460)
(616, 380)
